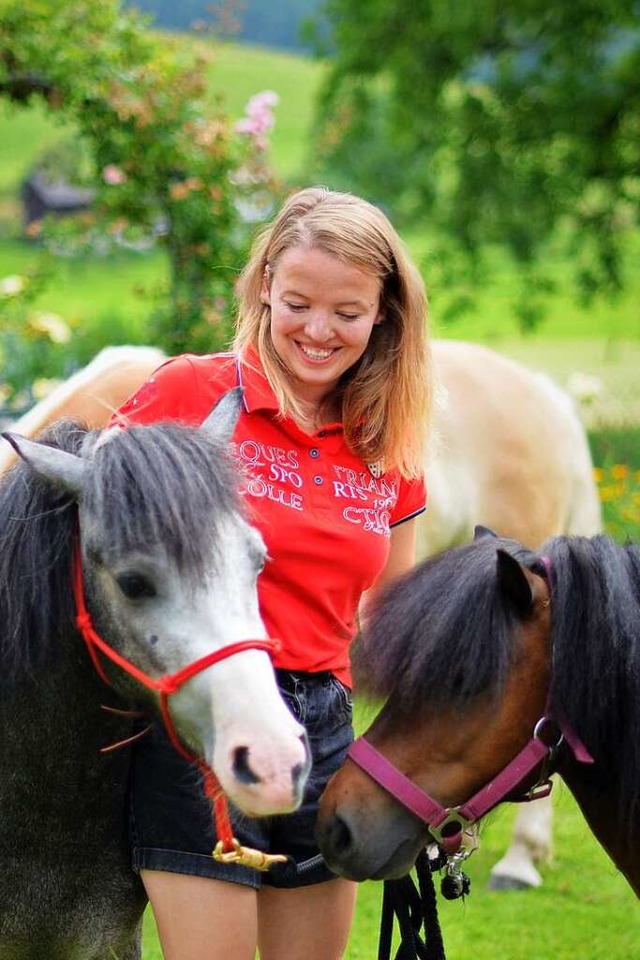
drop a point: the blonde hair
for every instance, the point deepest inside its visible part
(386, 396)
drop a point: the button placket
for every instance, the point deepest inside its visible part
(315, 454)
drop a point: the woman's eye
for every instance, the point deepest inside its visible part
(297, 307)
(135, 586)
(348, 316)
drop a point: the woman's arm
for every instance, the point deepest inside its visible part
(402, 556)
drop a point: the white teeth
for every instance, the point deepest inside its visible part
(315, 354)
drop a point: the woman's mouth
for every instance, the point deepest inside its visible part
(316, 354)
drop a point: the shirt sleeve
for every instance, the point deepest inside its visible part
(170, 393)
(411, 502)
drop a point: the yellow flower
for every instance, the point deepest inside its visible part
(598, 474)
(619, 471)
(612, 491)
(51, 324)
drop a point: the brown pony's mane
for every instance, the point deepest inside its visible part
(443, 634)
(440, 634)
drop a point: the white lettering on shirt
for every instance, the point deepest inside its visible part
(348, 491)
(259, 454)
(375, 521)
(272, 472)
(257, 487)
(364, 481)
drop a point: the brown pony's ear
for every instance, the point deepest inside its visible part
(480, 532)
(513, 583)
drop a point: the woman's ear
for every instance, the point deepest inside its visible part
(265, 290)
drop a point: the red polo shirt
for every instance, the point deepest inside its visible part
(324, 515)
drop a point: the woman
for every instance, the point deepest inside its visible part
(331, 351)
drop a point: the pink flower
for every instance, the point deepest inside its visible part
(259, 117)
(113, 175)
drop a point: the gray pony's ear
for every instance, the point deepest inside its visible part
(222, 420)
(62, 469)
(514, 585)
(480, 532)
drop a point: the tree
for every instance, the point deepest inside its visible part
(512, 124)
(162, 162)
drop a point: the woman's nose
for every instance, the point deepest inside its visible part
(318, 326)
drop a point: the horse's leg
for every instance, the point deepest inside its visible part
(530, 845)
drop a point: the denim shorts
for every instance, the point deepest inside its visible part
(172, 824)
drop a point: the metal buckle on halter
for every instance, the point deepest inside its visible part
(539, 730)
(543, 787)
(538, 791)
(538, 733)
(451, 839)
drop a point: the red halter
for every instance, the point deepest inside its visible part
(165, 686)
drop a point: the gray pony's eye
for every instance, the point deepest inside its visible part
(135, 586)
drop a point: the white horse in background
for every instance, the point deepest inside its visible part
(507, 450)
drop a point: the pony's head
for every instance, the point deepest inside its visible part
(458, 652)
(170, 565)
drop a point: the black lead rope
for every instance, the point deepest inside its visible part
(414, 908)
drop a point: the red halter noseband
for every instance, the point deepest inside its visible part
(165, 686)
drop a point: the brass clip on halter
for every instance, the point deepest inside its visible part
(246, 856)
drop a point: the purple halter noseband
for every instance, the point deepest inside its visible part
(447, 824)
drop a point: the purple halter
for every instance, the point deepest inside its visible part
(447, 824)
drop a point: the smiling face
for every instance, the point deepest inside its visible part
(322, 313)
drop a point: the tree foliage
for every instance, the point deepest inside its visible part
(514, 124)
(162, 162)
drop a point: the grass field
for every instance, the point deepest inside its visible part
(584, 910)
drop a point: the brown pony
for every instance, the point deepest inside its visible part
(468, 652)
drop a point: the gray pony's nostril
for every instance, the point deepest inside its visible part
(241, 768)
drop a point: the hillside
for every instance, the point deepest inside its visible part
(261, 22)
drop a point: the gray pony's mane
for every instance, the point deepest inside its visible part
(159, 486)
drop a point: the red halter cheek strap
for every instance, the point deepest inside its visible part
(165, 686)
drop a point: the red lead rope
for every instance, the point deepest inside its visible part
(165, 686)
